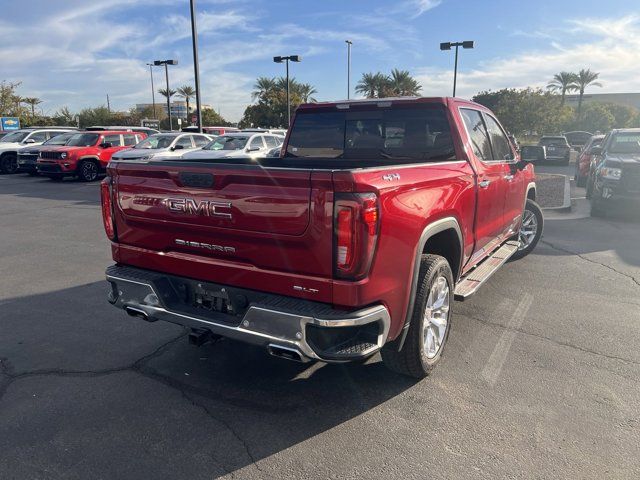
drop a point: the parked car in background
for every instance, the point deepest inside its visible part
(212, 130)
(583, 161)
(165, 145)
(383, 217)
(12, 142)
(240, 144)
(614, 181)
(28, 156)
(146, 130)
(86, 154)
(577, 140)
(274, 131)
(557, 147)
(2, 133)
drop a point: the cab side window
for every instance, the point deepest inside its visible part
(499, 141)
(185, 142)
(256, 142)
(477, 133)
(38, 137)
(271, 141)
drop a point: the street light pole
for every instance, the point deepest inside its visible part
(166, 64)
(447, 46)
(349, 43)
(293, 58)
(153, 92)
(196, 65)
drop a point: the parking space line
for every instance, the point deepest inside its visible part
(492, 369)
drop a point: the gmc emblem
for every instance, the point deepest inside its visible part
(208, 208)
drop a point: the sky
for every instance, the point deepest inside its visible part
(74, 52)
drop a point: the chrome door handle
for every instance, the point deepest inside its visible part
(508, 178)
(484, 183)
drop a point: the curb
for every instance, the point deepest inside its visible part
(566, 204)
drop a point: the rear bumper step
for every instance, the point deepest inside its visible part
(301, 331)
(470, 283)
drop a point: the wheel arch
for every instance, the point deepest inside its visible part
(531, 191)
(435, 238)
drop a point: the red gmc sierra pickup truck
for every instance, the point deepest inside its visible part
(356, 240)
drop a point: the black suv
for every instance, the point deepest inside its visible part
(558, 149)
(614, 177)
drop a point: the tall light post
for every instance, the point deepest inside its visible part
(349, 43)
(166, 74)
(196, 66)
(153, 92)
(447, 46)
(293, 58)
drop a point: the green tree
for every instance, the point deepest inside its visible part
(595, 117)
(65, 117)
(163, 92)
(33, 102)
(624, 115)
(9, 99)
(368, 85)
(402, 84)
(263, 87)
(584, 79)
(563, 82)
(211, 118)
(187, 92)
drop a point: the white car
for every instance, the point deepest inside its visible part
(25, 137)
(241, 144)
(166, 145)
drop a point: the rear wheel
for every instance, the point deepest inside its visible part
(8, 163)
(87, 171)
(530, 229)
(430, 322)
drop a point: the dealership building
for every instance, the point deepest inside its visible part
(178, 108)
(627, 99)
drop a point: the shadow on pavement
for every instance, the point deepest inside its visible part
(102, 384)
(70, 189)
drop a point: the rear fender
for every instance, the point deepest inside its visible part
(430, 230)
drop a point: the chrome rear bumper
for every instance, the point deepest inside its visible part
(137, 292)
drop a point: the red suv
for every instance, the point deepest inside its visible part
(86, 154)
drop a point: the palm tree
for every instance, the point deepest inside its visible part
(368, 85)
(32, 102)
(563, 82)
(585, 78)
(263, 87)
(304, 91)
(402, 84)
(187, 92)
(163, 92)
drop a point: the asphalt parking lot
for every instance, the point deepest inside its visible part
(540, 378)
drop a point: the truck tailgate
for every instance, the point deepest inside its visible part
(259, 218)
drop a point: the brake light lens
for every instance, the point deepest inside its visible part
(107, 208)
(356, 223)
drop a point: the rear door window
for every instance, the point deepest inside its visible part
(38, 137)
(130, 139)
(114, 140)
(200, 140)
(477, 133)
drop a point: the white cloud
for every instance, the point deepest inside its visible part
(422, 6)
(590, 43)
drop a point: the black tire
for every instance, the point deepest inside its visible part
(9, 163)
(412, 360)
(534, 209)
(87, 171)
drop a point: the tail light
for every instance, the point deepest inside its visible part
(356, 224)
(107, 208)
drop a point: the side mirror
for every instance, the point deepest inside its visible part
(533, 153)
(177, 147)
(29, 140)
(106, 145)
(596, 150)
(253, 149)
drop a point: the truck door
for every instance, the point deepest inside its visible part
(514, 187)
(490, 224)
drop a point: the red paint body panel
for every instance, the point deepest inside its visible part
(281, 230)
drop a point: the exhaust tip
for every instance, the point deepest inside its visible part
(138, 313)
(286, 353)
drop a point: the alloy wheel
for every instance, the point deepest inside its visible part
(528, 229)
(436, 317)
(89, 171)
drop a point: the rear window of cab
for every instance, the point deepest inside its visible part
(413, 134)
